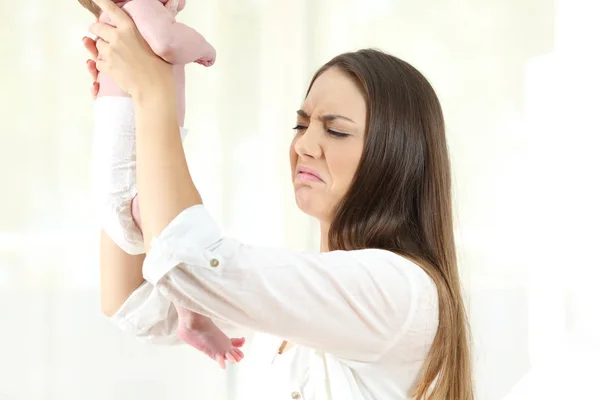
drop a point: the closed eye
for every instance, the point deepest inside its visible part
(299, 128)
(337, 134)
(333, 133)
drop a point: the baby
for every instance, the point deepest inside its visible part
(114, 164)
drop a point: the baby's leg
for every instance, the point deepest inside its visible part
(114, 169)
(135, 212)
(201, 333)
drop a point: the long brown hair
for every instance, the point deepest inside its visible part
(400, 200)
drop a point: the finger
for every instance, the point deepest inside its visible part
(114, 12)
(91, 67)
(101, 65)
(94, 89)
(103, 31)
(103, 49)
(90, 46)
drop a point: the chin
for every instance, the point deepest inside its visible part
(313, 210)
(302, 206)
(306, 202)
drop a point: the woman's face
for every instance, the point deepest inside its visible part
(328, 144)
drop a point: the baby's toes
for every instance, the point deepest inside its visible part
(231, 357)
(221, 361)
(238, 354)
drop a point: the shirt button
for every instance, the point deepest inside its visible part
(214, 262)
(296, 396)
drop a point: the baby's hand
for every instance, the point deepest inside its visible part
(90, 46)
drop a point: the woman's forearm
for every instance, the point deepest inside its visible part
(165, 186)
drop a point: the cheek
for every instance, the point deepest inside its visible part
(343, 169)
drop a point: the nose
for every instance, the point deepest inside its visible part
(308, 145)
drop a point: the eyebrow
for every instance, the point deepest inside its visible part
(327, 117)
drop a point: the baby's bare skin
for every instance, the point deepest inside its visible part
(177, 44)
(174, 42)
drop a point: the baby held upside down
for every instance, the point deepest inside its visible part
(114, 160)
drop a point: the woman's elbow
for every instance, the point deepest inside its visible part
(110, 303)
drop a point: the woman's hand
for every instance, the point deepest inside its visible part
(90, 46)
(126, 57)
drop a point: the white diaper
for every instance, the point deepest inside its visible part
(114, 171)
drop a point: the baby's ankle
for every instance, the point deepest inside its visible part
(191, 321)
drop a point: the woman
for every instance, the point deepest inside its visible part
(378, 313)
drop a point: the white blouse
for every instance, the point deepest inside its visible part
(362, 321)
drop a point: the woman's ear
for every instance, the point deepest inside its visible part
(91, 7)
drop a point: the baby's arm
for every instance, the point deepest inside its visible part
(176, 43)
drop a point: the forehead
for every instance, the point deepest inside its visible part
(336, 92)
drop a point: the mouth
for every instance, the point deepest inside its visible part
(306, 174)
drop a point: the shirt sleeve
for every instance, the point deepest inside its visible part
(149, 316)
(152, 318)
(351, 304)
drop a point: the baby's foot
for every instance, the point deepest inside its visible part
(201, 333)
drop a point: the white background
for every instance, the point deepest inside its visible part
(519, 84)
